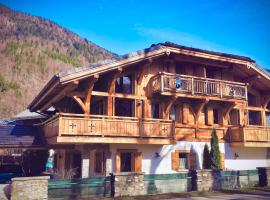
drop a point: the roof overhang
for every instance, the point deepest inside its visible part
(59, 81)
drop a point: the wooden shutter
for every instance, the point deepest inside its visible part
(185, 113)
(222, 159)
(117, 162)
(192, 160)
(175, 160)
(210, 115)
(138, 161)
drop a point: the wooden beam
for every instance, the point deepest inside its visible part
(70, 87)
(80, 102)
(140, 73)
(226, 111)
(111, 83)
(167, 107)
(198, 109)
(80, 94)
(266, 100)
(88, 93)
(252, 79)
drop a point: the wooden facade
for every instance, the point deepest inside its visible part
(166, 95)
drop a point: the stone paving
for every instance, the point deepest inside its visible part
(250, 196)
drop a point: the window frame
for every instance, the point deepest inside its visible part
(132, 84)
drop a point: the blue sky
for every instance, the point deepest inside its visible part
(231, 26)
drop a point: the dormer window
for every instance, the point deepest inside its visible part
(123, 84)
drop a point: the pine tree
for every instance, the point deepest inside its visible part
(206, 157)
(215, 152)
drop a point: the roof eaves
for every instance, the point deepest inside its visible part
(171, 44)
(50, 84)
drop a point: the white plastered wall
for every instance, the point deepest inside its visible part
(245, 158)
(151, 164)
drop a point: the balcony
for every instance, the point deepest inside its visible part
(191, 86)
(75, 128)
(250, 136)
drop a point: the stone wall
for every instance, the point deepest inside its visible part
(29, 188)
(264, 174)
(207, 180)
(5, 191)
(127, 184)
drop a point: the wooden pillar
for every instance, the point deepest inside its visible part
(110, 105)
(210, 115)
(263, 117)
(88, 93)
(185, 113)
(147, 108)
(111, 90)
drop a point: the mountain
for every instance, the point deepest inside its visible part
(32, 49)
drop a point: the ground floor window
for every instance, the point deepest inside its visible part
(99, 162)
(129, 160)
(183, 160)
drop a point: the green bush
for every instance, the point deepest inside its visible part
(215, 152)
(206, 157)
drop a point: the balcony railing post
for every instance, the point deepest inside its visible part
(162, 83)
(246, 92)
(220, 89)
(140, 123)
(60, 126)
(192, 86)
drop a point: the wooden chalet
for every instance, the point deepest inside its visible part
(153, 110)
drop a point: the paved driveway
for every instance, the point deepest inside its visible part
(250, 196)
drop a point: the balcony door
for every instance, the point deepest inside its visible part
(124, 107)
(267, 114)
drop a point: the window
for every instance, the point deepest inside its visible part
(99, 162)
(215, 115)
(155, 111)
(254, 117)
(97, 108)
(183, 160)
(124, 107)
(172, 113)
(251, 100)
(267, 118)
(234, 117)
(126, 162)
(124, 85)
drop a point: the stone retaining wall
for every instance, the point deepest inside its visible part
(127, 184)
(207, 180)
(29, 188)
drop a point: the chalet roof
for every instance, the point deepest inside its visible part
(58, 81)
(13, 133)
(27, 114)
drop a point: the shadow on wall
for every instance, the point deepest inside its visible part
(195, 153)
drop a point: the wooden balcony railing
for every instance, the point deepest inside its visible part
(250, 136)
(95, 125)
(166, 82)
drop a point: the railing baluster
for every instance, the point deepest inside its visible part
(192, 85)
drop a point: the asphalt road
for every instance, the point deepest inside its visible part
(250, 196)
